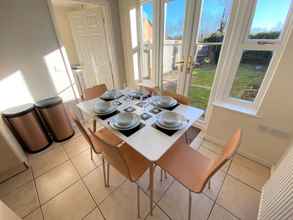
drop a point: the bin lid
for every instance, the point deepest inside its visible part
(48, 102)
(18, 110)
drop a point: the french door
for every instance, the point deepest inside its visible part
(184, 42)
(180, 44)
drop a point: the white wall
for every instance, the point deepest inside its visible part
(27, 36)
(276, 112)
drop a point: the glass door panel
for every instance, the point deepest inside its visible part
(147, 15)
(206, 49)
(202, 74)
(172, 43)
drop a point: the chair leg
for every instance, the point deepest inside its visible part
(189, 205)
(186, 138)
(92, 157)
(166, 175)
(162, 173)
(108, 175)
(104, 171)
(209, 185)
(94, 125)
(138, 201)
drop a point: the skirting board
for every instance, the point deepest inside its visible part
(221, 143)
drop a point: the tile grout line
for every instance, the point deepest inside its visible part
(258, 163)
(238, 179)
(227, 210)
(97, 205)
(221, 187)
(157, 203)
(241, 181)
(35, 184)
(67, 159)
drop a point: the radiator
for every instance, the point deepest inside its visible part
(277, 194)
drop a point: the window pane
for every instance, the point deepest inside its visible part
(135, 66)
(147, 22)
(203, 74)
(133, 27)
(172, 51)
(214, 18)
(174, 19)
(251, 72)
(269, 19)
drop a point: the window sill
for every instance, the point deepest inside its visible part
(236, 108)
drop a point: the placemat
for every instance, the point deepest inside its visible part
(104, 117)
(165, 131)
(172, 108)
(130, 132)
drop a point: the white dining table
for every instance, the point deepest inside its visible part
(148, 141)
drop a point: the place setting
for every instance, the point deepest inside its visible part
(164, 102)
(170, 122)
(126, 123)
(105, 110)
(111, 95)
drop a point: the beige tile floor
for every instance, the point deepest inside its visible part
(63, 183)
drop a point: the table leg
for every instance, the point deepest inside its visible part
(151, 185)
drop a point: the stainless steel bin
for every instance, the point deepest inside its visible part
(26, 126)
(53, 113)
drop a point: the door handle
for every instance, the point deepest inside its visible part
(189, 63)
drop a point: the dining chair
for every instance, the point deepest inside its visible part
(123, 158)
(103, 133)
(151, 90)
(94, 92)
(194, 170)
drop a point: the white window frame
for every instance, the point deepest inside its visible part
(239, 42)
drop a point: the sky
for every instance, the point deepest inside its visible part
(270, 15)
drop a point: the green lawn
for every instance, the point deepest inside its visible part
(202, 79)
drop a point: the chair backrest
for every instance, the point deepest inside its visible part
(112, 154)
(151, 90)
(94, 92)
(228, 153)
(180, 98)
(83, 131)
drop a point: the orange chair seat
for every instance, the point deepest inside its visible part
(187, 166)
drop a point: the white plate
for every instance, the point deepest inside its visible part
(164, 101)
(123, 129)
(103, 108)
(170, 120)
(183, 125)
(125, 120)
(137, 93)
(112, 94)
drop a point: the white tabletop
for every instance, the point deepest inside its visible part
(148, 141)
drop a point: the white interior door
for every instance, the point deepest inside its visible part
(88, 29)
